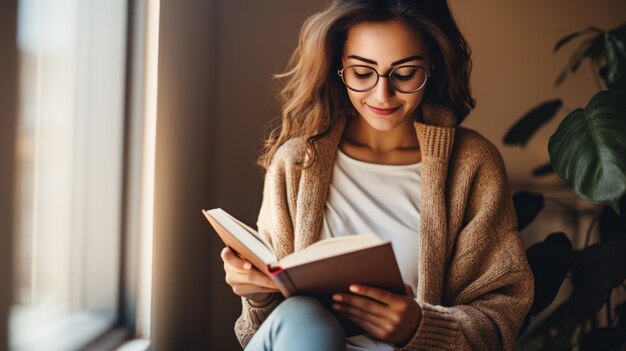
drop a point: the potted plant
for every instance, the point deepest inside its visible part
(588, 153)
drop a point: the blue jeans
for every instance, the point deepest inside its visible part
(299, 323)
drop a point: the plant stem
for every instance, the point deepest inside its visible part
(567, 206)
(560, 203)
(613, 321)
(594, 73)
(609, 318)
(594, 322)
(593, 221)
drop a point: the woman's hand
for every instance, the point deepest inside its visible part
(245, 280)
(387, 316)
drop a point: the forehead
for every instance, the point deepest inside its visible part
(384, 42)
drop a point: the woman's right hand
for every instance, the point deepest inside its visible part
(245, 279)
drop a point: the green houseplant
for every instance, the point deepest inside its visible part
(588, 153)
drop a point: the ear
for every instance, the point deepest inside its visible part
(438, 115)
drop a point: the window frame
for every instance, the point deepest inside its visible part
(133, 312)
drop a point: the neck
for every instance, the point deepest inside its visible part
(403, 137)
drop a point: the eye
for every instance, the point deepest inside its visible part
(404, 77)
(361, 75)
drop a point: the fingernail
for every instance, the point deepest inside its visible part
(336, 306)
(354, 288)
(247, 265)
(337, 297)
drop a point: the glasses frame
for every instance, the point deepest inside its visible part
(388, 76)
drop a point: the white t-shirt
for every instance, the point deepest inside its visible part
(383, 199)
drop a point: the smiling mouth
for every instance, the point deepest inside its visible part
(383, 111)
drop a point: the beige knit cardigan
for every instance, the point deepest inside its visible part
(474, 287)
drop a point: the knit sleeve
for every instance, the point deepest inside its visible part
(252, 317)
(488, 289)
(273, 224)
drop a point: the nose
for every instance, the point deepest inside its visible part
(383, 90)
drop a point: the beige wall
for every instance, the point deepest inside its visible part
(514, 68)
(216, 59)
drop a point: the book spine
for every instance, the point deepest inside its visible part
(282, 280)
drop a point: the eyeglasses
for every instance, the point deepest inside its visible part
(405, 79)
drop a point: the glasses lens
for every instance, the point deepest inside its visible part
(360, 78)
(408, 79)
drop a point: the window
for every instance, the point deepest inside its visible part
(71, 172)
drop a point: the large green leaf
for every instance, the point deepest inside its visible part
(574, 35)
(549, 261)
(542, 170)
(527, 207)
(529, 123)
(615, 44)
(601, 267)
(588, 149)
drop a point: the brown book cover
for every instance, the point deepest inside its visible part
(320, 270)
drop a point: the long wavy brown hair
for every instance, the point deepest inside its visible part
(314, 97)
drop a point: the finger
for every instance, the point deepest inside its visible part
(366, 304)
(374, 330)
(257, 279)
(381, 295)
(230, 258)
(246, 289)
(366, 315)
(252, 275)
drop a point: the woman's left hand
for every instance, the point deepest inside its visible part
(387, 316)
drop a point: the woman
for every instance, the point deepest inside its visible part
(370, 142)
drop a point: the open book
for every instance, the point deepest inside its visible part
(326, 267)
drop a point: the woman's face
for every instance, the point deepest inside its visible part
(383, 46)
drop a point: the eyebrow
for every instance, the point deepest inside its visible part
(410, 58)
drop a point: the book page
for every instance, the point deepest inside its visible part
(245, 235)
(251, 231)
(331, 247)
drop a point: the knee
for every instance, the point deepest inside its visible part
(302, 323)
(300, 311)
(303, 307)
(304, 303)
